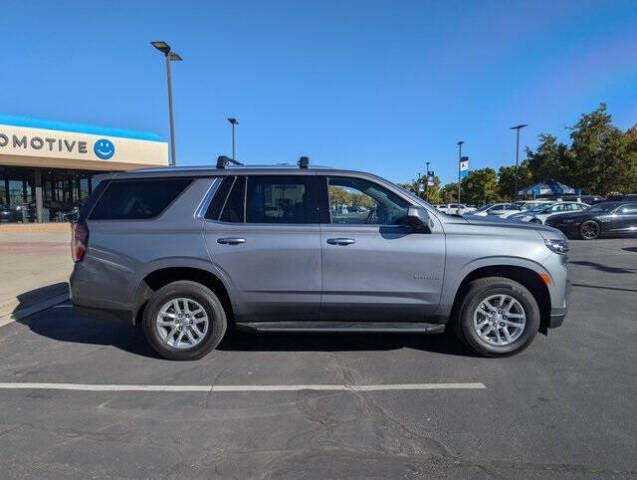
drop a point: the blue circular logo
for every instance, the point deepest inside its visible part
(104, 149)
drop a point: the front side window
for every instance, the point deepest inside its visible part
(360, 202)
(281, 199)
(628, 209)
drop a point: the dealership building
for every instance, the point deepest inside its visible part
(48, 167)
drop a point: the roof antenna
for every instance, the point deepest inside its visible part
(304, 162)
(223, 161)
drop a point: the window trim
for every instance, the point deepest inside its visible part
(200, 212)
(137, 181)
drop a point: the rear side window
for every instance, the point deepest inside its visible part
(281, 199)
(234, 210)
(137, 199)
(219, 199)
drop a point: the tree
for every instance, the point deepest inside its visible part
(506, 180)
(480, 186)
(449, 192)
(602, 154)
(419, 187)
(549, 161)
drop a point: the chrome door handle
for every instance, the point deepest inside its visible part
(340, 241)
(231, 241)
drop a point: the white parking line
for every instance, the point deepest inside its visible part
(236, 388)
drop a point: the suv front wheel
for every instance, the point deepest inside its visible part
(497, 317)
(184, 320)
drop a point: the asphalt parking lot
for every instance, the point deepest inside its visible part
(564, 408)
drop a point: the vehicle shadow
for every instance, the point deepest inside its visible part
(60, 324)
(601, 267)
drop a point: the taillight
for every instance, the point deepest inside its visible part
(79, 241)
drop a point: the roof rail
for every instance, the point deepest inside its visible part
(223, 161)
(304, 162)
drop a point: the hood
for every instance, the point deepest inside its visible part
(497, 222)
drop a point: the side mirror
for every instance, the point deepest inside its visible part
(418, 218)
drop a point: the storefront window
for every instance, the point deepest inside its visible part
(62, 190)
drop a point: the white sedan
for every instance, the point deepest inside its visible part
(541, 213)
(520, 207)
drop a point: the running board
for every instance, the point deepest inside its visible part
(346, 327)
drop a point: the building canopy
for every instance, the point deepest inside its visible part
(551, 187)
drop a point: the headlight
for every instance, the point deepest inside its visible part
(557, 246)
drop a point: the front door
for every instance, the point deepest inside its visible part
(265, 238)
(624, 220)
(375, 267)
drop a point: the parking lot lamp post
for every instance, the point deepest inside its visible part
(517, 157)
(233, 122)
(427, 182)
(170, 57)
(459, 162)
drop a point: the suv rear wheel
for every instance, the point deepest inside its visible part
(184, 320)
(497, 317)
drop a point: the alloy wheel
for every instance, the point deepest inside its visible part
(590, 230)
(499, 320)
(182, 323)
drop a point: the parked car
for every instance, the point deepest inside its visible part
(455, 208)
(10, 214)
(190, 252)
(484, 210)
(603, 219)
(541, 213)
(517, 207)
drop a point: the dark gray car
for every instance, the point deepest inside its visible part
(190, 252)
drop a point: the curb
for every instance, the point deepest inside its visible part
(30, 310)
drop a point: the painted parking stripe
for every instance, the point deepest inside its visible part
(237, 388)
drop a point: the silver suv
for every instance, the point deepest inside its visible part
(190, 252)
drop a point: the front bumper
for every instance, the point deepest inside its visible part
(556, 318)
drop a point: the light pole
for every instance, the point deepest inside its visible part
(460, 142)
(233, 122)
(427, 182)
(170, 57)
(517, 156)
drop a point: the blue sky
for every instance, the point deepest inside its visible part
(381, 86)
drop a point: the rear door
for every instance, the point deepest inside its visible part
(375, 267)
(265, 237)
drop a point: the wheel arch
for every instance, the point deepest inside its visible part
(160, 277)
(527, 277)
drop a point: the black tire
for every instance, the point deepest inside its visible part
(482, 289)
(536, 220)
(202, 295)
(589, 230)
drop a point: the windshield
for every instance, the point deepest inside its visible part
(604, 207)
(484, 208)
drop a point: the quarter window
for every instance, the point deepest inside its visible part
(360, 202)
(137, 199)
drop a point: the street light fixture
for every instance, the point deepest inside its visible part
(233, 122)
(517, 155)
(164, 48)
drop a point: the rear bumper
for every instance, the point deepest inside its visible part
(110, 315)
